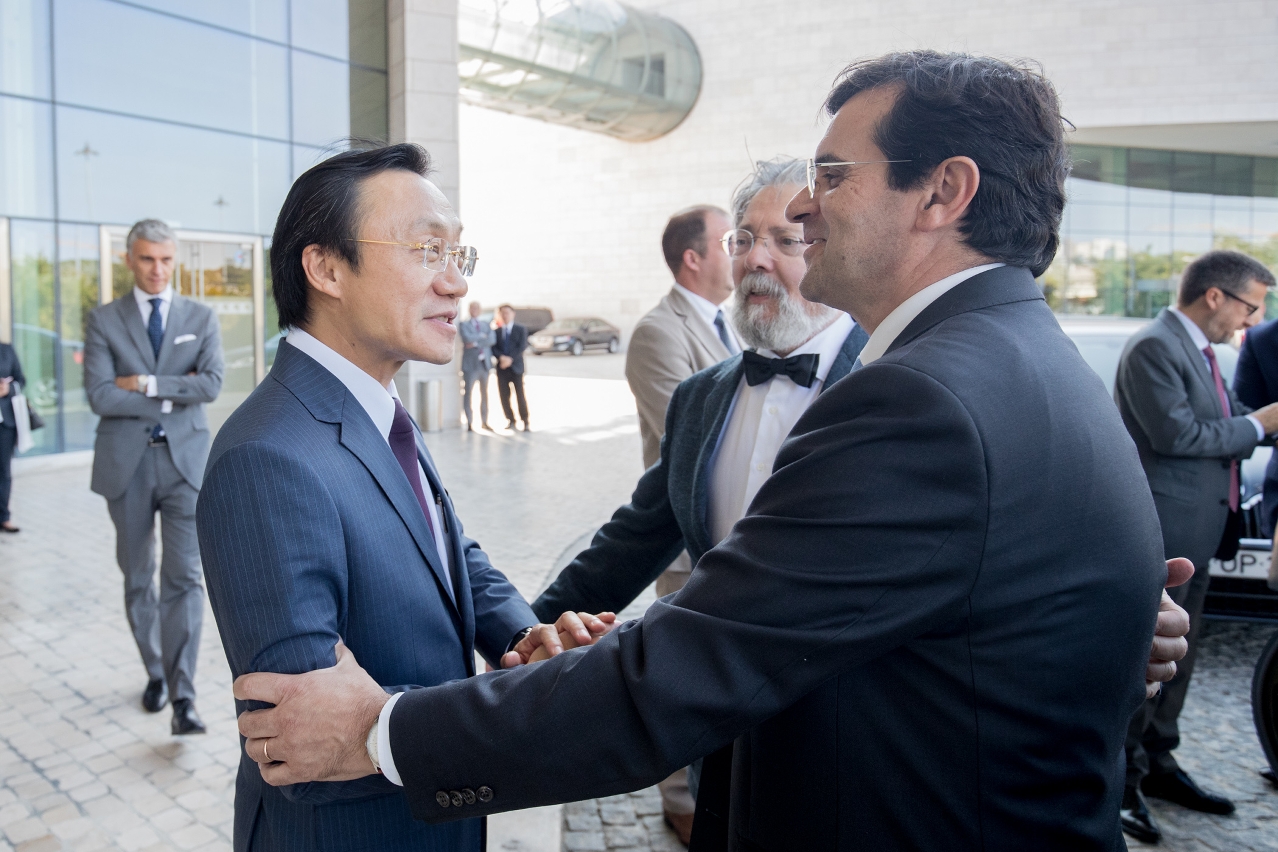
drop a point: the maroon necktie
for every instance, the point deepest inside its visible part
(1224, 406)
(403, 443)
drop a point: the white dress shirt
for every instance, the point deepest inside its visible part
(143, 298)
(758, 422)
(1200, 343)
(708, 311)
(897, 321)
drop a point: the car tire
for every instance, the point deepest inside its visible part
(1264, 700)
(613, 345)
(577, 348)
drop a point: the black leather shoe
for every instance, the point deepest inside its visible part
(487, 428)
(525, 425)
(510, 424)
(185, 719)
(155, 696)
(1179, 788)
(1136, 818)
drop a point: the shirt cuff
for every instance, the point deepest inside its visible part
(151, 388)
(1260, 430)
(384, 756)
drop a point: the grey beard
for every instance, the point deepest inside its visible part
(793, 324)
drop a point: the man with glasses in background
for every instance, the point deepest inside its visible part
(685, 333)
(1192, 432)
(323, 516)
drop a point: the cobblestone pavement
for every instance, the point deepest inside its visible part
(83, 767)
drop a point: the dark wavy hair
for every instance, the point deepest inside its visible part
(1005, 116)
(322, 208)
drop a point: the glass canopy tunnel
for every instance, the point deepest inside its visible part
(591, 64)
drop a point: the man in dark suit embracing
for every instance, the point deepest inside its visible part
(929, 629)
(323, 516)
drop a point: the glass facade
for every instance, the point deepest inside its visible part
(1136, 217)
(197, 113)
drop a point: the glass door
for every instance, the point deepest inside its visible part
(223, 271)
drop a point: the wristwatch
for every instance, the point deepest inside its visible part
(143, 383)
(518, 638)
(370, 744)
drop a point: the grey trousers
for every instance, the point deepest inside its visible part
(468, 381)
(166, 627)
(1154, 732)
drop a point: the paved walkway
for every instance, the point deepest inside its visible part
(83, 767)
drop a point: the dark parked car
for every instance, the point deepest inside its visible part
(1239, 588)
(575, 335)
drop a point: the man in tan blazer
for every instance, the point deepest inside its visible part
(684, 334)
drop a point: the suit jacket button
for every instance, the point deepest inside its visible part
(456, 798)
(484, 794)
(1224, 502)
(469, 795)
(442, 798)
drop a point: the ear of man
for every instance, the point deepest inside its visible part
(692, 261)
(323, 271)
(948, 192)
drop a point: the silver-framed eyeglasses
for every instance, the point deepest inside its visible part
(739, 242)
(437, 252)
(815, 172)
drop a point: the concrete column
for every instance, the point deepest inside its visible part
(422, 55)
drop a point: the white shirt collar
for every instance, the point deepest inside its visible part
(1195, 333)
(826, 344)
(705, 308)
(897, 321)
(144, 298)
(378, 401)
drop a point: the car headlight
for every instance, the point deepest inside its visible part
(562, 338)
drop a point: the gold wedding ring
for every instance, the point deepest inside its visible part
(266, 753)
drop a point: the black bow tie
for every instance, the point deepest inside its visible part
(801, 369)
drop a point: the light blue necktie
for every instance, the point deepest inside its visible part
(728, 343)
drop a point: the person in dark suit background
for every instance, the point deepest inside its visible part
(152, 361)
(508, 349)
(1256, 385)
(1191, 433)
(10, 375)
(929, 628)
(323, 515)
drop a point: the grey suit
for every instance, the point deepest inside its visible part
(477, 339)
(138, 478)
(1168, 400)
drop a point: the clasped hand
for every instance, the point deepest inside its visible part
(319, 725)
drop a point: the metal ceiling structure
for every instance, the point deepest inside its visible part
(591, 64)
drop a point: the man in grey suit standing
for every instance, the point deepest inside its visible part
(684, 334)
(152, 360)
(1191, 432)
(477, 339)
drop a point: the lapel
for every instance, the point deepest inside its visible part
(132, 319)
(328, 401)
(463, 605)
(1173, 325)
(178, 309)
(714, 413)
(848, 352)
(696, 326)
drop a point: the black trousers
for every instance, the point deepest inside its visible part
(1154, 732)
(505, 380)
(8, 439)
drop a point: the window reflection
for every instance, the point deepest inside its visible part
(24, 47)
(163, 67)
(78, 263)
(188, 177)
(35, 335)
(265, 18)
(321, 99)
(26, 168)
(322, 26)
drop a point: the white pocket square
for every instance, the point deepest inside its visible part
(183, 338)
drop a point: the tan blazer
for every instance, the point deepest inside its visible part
(668, 345)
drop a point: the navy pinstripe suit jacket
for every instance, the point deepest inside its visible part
(310, 532)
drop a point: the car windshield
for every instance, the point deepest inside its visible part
(565, 325)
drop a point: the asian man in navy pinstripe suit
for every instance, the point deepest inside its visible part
(323, 516)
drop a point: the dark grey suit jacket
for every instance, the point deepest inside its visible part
(1170, 406)
(310, 532)
(511, 341)
(929, 631)
(668, 510)
(116, 344)
(10, 368)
